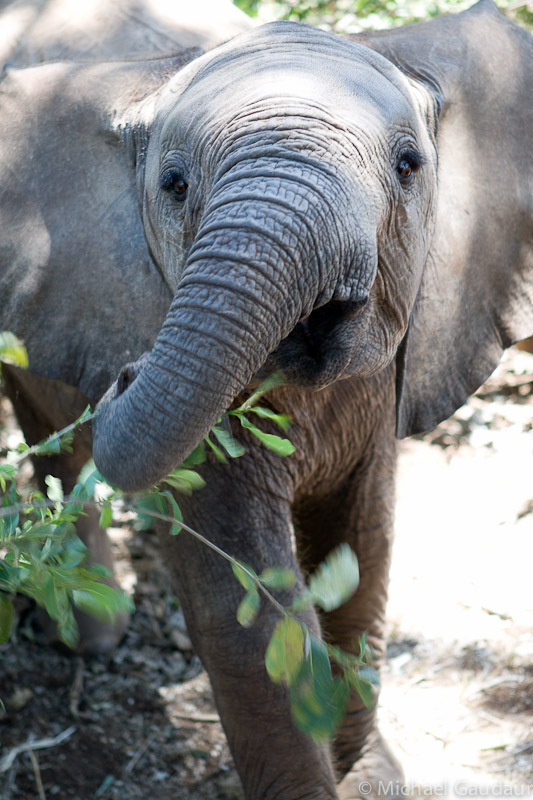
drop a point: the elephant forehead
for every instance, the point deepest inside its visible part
(283, 61)
(263, 92)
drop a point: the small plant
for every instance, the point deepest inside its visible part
(42, 557)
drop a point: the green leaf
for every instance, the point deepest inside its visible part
(248, 6)
(219, 454)
(89, 478)
(282, 420)
(363, 646)
(159, 503)
(10, 521)
(7, 615)
(48, 447)
(285, 651)
(101, 601)
(47, 550)
(12, 351)
(9, 576)
(185, 481)
(98, 572)
(106, 516)
(196, 457)
(73, 510)
(152, 501)
(55, 599)
(239, 570)
(302, 602)
(318, 700)
(226, 440)
(248, 608)
(73, 553)
(7, 473)
(282, 447)
(67, 629)
(278, 578)
(336, 579)
(55, 491)
(175, 512)
(274, 380)
(364, 689)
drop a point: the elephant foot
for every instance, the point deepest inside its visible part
(377, 775)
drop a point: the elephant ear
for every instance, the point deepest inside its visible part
(77, 282)
(476, 295)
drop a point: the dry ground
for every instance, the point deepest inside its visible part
(457, 699)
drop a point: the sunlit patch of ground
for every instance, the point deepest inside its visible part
(458, 687)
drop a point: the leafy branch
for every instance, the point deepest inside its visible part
(41, 556)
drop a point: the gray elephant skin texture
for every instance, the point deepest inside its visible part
(355, 212)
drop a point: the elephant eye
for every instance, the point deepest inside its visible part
(407, 165)
(175, 184)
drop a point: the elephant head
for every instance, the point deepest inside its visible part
(317, 203)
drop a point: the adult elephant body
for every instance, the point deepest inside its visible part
(354, 213)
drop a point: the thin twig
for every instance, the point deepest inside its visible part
(503, 746)
(196, 717)
(37, 772)
(212, 546)
(56, 436)
(492, 613)
(38, 744)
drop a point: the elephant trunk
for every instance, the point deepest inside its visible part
(237, 299)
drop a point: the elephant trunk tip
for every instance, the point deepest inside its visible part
(122, 457)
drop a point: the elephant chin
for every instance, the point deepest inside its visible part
(320, 349)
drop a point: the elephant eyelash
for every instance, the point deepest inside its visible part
(173, 182)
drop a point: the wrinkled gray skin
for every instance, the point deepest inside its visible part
(302, 243)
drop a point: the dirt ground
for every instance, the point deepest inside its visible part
(457, 699)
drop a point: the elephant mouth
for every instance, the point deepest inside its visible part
(320, 347)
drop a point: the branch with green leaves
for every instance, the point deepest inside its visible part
(41, 556)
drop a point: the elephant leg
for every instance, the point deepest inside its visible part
(244, 509)
(41, 407)
(359, 512)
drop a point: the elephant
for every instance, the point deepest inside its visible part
(354, 212)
